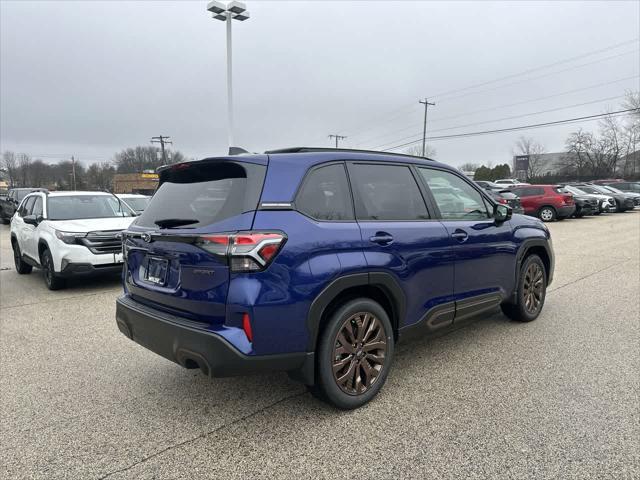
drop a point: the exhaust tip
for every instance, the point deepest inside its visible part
(192, 360)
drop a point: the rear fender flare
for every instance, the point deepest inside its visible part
(382, 280)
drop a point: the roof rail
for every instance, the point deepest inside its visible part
(331, 149)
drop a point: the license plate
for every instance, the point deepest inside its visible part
(156, 271)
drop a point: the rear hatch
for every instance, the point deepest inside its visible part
(176, 251)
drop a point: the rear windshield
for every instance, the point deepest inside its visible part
(75, 207)
(203, 193)
(560, 190)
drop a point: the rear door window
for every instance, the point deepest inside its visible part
(203, 193)
(386, 192)
(325, 194)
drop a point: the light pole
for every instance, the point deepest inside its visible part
(226, 13)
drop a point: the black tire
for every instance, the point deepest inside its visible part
(527, 308)
(21, 267)
(53, 281)
(547, 214)
(4, 219)
(364, 378)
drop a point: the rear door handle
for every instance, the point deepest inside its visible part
(460, 235)
(382, 238)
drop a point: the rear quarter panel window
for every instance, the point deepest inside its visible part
(325, 194)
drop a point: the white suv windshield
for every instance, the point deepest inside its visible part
(76, 207)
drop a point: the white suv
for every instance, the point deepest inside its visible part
(69, 233)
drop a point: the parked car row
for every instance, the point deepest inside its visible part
(557, 202)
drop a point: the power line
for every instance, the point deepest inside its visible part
(512, 117)
(543, 75)
(415, 125)
(535, 78)
(359, 131)
(521, 127)
(542, 67)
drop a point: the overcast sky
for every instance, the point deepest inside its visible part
(91, 78)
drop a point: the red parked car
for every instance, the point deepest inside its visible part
(547, 202)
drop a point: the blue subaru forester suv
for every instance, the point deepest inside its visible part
(317, 262)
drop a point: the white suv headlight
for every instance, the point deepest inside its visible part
(69, 237)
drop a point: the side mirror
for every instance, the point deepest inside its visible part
(502, 213)
(32, 219)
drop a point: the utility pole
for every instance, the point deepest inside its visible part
(426, 104)
(337, 137)
(162, 140)
(73, 171)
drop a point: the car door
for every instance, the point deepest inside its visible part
(23, 229)
(30, 243)
(484, 250)
(401, 239)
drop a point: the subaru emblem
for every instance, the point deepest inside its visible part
(146, 237)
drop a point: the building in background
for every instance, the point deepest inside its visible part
(144, 183)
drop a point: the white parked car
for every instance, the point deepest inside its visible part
(510, 181)
(69, 233)
(136, 201)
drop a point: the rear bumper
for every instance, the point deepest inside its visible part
(566, 211)
(182, 342)
(585, 209)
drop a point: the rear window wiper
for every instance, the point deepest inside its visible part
(174, 222)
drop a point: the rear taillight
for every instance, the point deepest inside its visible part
(246, 252)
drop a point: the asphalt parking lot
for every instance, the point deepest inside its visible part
(556, 398)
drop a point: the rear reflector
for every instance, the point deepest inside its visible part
(246, 326)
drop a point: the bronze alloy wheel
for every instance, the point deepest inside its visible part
(533, 287)
(359, 353)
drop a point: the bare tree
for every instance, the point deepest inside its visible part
(630, 135)
(10, 165)
(469, 167)
(138, 159)
(632, 101)
(38, 173)
(24, 167)
(416, 151)
(579, 146)
(100, 176)
(528, 146)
